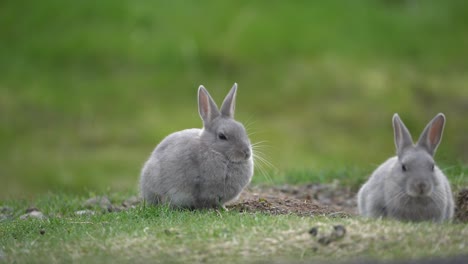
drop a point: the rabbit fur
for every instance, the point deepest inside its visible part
(409, 186)
(201, 168)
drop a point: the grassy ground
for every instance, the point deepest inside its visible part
(166, 236)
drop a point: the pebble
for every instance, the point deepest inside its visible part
(85, 212)
(6, 213)
(115, 209)
(337, 233)
(6, 210)
(131, 202)
(102, 201)
(324, 240)
(313, 231)
(33, 212)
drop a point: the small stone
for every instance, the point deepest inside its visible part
(33, 214)
(42, 231)
(85, 212)
(339, 231)
(6, 213)
(116, 209)
(32, 209)
(101, 201)
(131, 202)
(6, 210)
(313, 231)
(325, 240)
(171, 232)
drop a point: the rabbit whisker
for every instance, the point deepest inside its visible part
(252, 133)
(263, 172)
(249, 122)
(260, 157)
(258, 143)
(261, 162)
(438, 199)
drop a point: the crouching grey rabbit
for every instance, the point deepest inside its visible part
(409, 186)
(201, 168)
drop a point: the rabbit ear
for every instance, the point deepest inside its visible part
(402, 135)
(206, 106)
(229, 103)
(432, 134)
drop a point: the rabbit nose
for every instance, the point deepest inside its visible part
(422, 187)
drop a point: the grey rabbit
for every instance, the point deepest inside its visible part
(409, 186)
(201, 168)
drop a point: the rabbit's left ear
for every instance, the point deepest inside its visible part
(402, 135)
(206, 106)
(432, 134)
(229, 103)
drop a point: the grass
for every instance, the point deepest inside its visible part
(161, 235)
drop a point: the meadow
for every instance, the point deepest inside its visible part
(87, 90)
(162, 235)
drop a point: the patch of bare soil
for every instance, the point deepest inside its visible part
(303, 200)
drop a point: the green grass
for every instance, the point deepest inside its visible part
(161, 235)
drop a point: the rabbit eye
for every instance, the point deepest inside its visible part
(403, 167)
(222, 136)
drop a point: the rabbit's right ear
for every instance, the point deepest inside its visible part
(229, 103)
(402, 135)
(206, 106)
(432, 134)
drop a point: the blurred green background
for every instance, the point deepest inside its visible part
(88, 88)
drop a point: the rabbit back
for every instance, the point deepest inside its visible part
(445, 195)
(169, 174)
(371, 198)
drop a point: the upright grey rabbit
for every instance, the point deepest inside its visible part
(201, 168)
(409, 186)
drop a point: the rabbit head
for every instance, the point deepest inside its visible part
(416, 169)
(221, 133)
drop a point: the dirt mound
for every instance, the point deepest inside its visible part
(304, 200)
